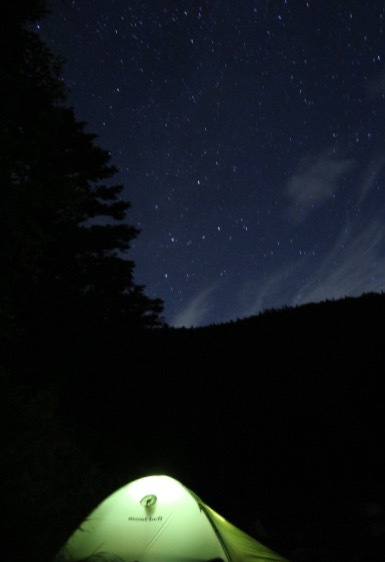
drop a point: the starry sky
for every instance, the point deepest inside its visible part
(250, 138)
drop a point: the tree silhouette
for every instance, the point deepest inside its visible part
(64, 239)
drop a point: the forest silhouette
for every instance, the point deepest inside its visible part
(277, 420)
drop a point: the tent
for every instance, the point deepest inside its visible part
(158, 519)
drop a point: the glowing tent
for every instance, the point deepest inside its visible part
(157, 519)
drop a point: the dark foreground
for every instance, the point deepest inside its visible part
(277, 422)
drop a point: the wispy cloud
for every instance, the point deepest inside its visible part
(354, 265)
(256, 296)
(376, 86)
(370, 176)
(315, 181)
(196, 311)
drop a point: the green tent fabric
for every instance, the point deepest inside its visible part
(158, 519)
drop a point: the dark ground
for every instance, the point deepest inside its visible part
(277, 422)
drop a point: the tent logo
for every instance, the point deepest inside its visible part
(148, 501)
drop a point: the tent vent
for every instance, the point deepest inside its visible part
(148, 501)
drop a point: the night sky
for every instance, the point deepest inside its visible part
(250, 138)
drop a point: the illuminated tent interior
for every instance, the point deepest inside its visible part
(158, 519)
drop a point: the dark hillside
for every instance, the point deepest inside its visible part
(276, 421)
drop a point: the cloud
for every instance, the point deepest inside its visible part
(195, 312)
(315, 181)
(254, 297)
(370, 177)
(354, 265)
(376, 86)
